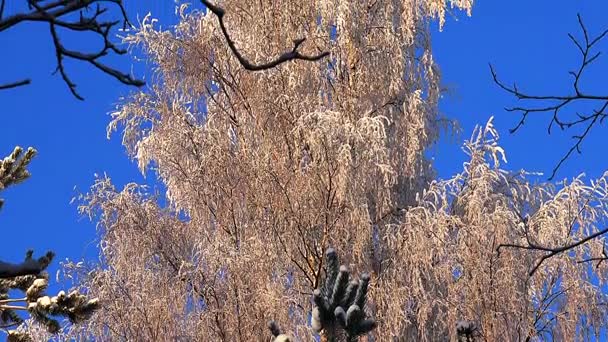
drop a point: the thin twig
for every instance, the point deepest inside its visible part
(12, 307)
(15, 84)
(54, 13)
(551, 252)
(561, 103)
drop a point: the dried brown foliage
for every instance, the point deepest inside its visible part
(264, 171)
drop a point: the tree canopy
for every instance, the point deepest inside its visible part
(287, 132)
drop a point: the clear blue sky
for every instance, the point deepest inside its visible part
(525, 40)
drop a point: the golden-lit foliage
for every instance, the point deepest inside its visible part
(263, 171)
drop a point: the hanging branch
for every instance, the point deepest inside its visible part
(287, 56)
(550, 252)
(54, 13)
(557, 104)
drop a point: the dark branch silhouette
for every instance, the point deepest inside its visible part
(598, 259)
(287, 56)
(29, 266)
(57, 15)
(14, 84)
(558, 104)
(552, 251)
(55, 12)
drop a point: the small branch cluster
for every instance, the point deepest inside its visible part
(561, 103)
(41, 307)
(29, 276)
(13, 169)
(277, 335)
(287, 56)
(29, 266)
(339, 305)
(56, 13)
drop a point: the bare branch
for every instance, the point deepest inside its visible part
(2, 8)
(598, 259)
(53, 14)
(29, 266)
(287, 56)
(550, 251)
(556, 104)
(15, 84)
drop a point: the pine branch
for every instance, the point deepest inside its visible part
(339, 305)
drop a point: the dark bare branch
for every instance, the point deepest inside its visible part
(56, 14)
(15, 84)
(29, 266)
(2, 8)
(559, 105)
(599, 259)
(550, 252)
(287, 56)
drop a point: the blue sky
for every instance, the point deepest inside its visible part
(525, 40)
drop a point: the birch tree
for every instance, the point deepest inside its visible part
(263, 171)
